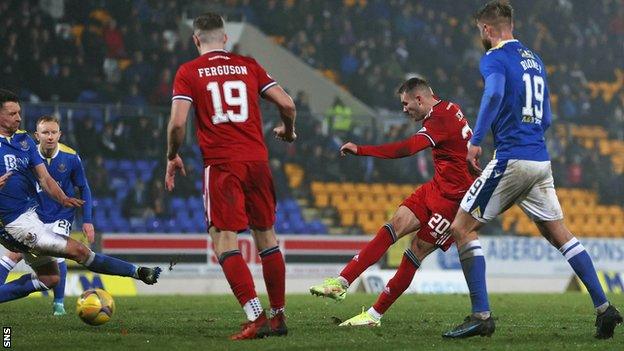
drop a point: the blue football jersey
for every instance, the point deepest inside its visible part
(18, 155)
(524, 113)
(66, 168)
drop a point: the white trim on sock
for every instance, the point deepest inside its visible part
(7, 263)
(574, 251)
(567, 245)
(274, 311)
(90, 259)
(600, 309)
(376, 316)
(37, 283)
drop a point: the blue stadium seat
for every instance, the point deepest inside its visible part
(178, 204)
(196, 203)
(141, 165)
(110, 164)
(283, 228)
(125, 165)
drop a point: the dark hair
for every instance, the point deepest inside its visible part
(413, 84)
(208, 21)
(7, 96)
(48, 118)
(495, 13)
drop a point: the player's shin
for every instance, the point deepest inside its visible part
(59, 289)
(397, 285)
(100, 263)
(274, 273)
(21, 287)
(473, 265)
(582, 264)
(370, 254)
(241, 282)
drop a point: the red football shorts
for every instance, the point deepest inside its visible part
(239, 195)
(435, 214)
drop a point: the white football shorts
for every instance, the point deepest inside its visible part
(506, 182)
(39, 238)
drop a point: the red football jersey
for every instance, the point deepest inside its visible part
(224, 89)
(448, 131)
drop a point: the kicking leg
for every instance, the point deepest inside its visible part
(402, 223)
(396, 286)
(560, 237)
(7, 263)
(100, 263)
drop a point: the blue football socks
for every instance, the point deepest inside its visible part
(473, 265)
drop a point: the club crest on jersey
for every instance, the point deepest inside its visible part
(526, 53)
(61, 168)
(24, 145)
(31, 238)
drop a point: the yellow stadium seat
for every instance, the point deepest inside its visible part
(332, 187)
(377, 188)
(348, 188)
(318, 187)
(393, 189)
(362, 188)
(347, 218)
(321, 200)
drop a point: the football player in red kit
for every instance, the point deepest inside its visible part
(238, 187)
(429, 211)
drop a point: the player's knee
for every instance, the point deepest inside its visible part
(77, 251)
(49, 281)
(14, 256)
(457, 231)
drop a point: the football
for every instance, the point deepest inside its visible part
(95, 306)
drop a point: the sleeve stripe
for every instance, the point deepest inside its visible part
(267, 87)
(428, 137)
(183, 97)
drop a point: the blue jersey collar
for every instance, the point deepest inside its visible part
(56, 152)
(502, 43)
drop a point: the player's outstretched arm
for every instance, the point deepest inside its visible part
(398, 149)
(287, 110)
(51, 187)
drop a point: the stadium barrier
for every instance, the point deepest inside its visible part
(514, 264)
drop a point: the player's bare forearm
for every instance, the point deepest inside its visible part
(288, 116)
(175, 137)
(177, 127)
(285, 105)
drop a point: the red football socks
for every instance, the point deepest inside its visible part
(238, 275)
(274, 272)
(370, 254)
(399, 283)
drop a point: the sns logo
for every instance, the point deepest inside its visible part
(10, 162)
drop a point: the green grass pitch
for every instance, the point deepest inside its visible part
(415, 322)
